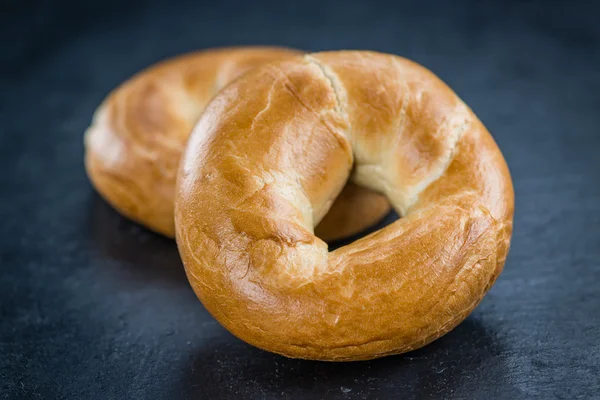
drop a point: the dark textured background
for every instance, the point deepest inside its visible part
(92, 306)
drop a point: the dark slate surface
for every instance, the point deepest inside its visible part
(92, 306)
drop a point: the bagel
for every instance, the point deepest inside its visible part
(265, 162)
(137, 136)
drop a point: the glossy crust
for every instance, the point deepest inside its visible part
(138, 134)
(266, 160)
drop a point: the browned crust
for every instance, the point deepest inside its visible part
(135, 142)
(262, 167)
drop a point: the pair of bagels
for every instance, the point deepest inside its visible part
(138, 134)
(263, 166)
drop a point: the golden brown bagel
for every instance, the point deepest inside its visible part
(264, 164)
(135, 142)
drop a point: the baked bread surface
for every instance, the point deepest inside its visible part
(138, 134)
(263, 166)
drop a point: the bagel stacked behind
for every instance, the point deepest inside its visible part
(138, 134)
(268, 157)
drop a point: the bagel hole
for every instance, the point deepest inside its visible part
(390, 217)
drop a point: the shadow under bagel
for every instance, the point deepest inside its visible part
(453, 359)
(147, 256)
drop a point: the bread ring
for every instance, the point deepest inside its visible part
(135, 142)
(265, 162)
